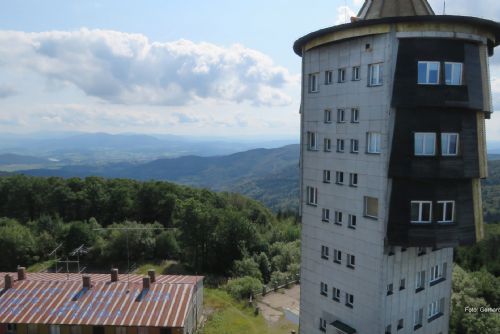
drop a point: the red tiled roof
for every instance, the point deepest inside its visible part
(46, 298)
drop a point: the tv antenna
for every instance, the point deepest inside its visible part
(444, 7)
(54, 252)
(80, 250)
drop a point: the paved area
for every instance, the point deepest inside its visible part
(284, 303)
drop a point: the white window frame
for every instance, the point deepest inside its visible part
(424, 135)
(312, 141)
(420, 280)
(340, 145)
(322, 324)
(373, 142)
(353, 179)
(312, 195)
(337, 256)
(433, 309)
(339, 217)
(341, 75)
(365, 211)
(445, 205)
(325, 252)
(351, 261)
(354, 115)
(323, 289)
(354, 146)
(327, 176)
(328, 116)
(445, 139)
(328, 77)
(356, 73)
(352, 221)
(349, 299)
(336, 294)
(325, 215)
(314, 82)
(327, 145)
(341, 115)
(375, 74)
(437, 272)
(420, 211)
(339, 177)
(453, 69)
(418, 316)
(427, 73)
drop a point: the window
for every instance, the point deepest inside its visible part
(325, 252)
(421, 211)
(417, 318)
(453, 73)
(435, 308)
(328, 77)
(336, 294)
(314, 83)
(420, 281)
(425, 143)
(326, 176)
(54, 329)
(328, 116)
(32, 329)
(371, 207)
(449, 144)
(312, 196)
(349, 300)
(390, 289)
(401, 324)
(11, 328)
(340, 115)
(337, 256)
(445, 211)
(402, 284)
(354, 146)
(341, 74)
(338, 217)
(355, 73)
(353, 179)
(326, 215)
(121, 330)
(340, 145)
(352, 221)
(322, 324)
(437, 273)
(78, 330)
(312, 144)
(428, 72)
(375, 72)
(388, 329)
(391, 251)
(354, 115)
(327, 145)
(373, 142)
(339, 177)
(351, 261)
(324, 289)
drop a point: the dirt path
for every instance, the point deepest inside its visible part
(274, 304)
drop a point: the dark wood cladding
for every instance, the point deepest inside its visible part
(401, 232)
(407, 93)
(403, 162)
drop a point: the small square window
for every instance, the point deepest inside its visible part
(340, 145)
(388, 329)
(325, 215)
(339, 178)
(420, 281)
(402, 284)
(325, 252)
(445, 211)
(322, 324)
(340, 115)
(312, 144)
(421, 251)
(328, 77)
(339, 217)
(337, 256)
(373, 142)
(371, 207)
(353, 179)
(354, 115)
(375, 74)
(435, 308)
(324, 289)
(354, 146)
(326, 176)
(453, 73)
(313, 82)
(428, 72)
(327, 145)
(336, 294)
(425, 143)
(328, 116)
(356, 73)
(421, 211)
(341, 74)
(390, 289)
(312, 195)
(449, 144)
(437, 273)
(352, 221)
(349, 300)
(401, 324)
(351, 261)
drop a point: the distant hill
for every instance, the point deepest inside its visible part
(268, 175)
(16, 159)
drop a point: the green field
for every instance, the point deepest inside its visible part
(228, 316)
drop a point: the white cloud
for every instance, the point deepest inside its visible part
(344, 14)
(124, 68)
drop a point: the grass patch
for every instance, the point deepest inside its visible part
(229, 316)
(167, 267)
(40, 266)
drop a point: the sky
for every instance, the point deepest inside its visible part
(206, 68)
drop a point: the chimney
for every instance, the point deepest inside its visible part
(8, 282)
(114, 275)
(152, 275)
(21, 273)
(87, 282)
(146, 282)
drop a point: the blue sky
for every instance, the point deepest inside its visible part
(218, 67)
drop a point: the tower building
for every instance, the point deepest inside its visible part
(392, 152)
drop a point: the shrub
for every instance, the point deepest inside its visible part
(243, 287)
